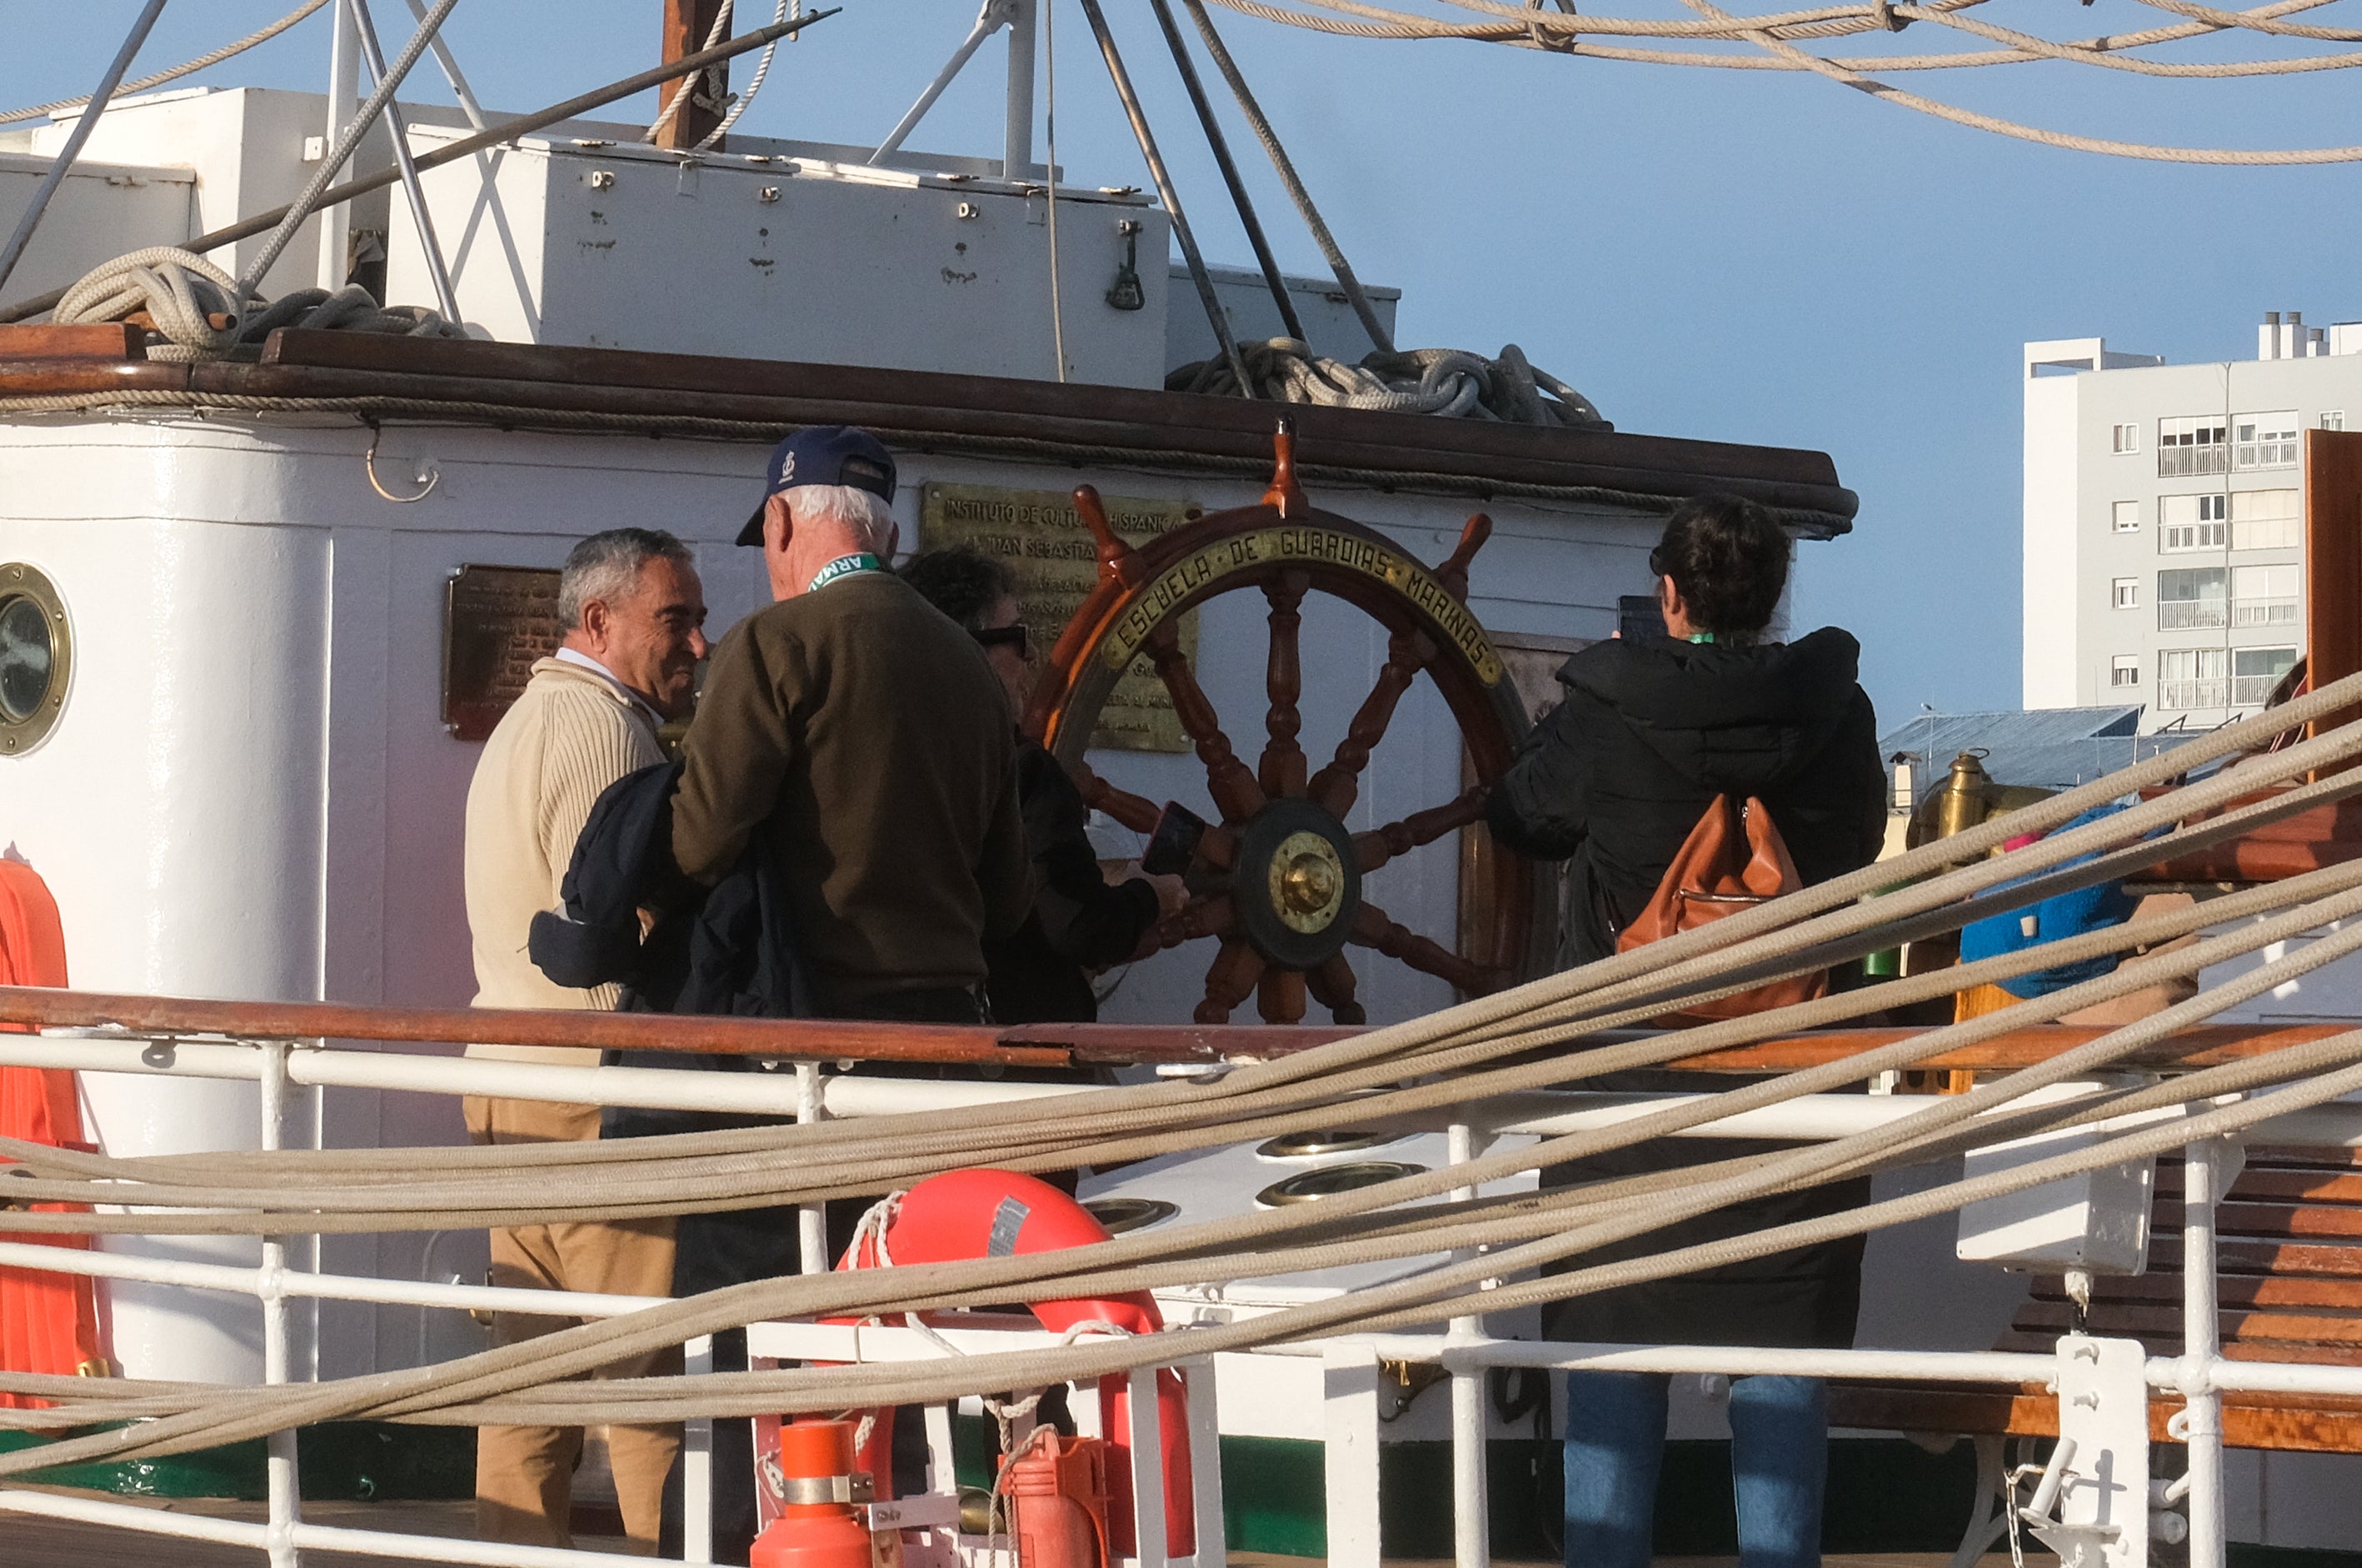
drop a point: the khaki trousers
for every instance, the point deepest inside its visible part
(524, 1475)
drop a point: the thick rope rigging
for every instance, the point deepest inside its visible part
(1451, 1059)
(229, 50)
(1773, 46)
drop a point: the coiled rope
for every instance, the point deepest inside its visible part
(1449, 381)
(194, 305)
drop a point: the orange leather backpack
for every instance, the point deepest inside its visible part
(1733, 860)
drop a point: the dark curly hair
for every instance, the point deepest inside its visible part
(962, 582)
(1728, 560)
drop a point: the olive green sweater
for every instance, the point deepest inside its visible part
(857, 736)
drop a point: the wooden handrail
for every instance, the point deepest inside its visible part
(1015, 1046)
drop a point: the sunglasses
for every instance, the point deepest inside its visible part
(1019, 636)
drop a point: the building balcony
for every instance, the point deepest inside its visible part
(2259, 454)
(2186, 462)
(2182, 695)
(2263, 612)
(2190, 615)
(2249, 690)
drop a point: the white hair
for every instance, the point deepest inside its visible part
(863, 511)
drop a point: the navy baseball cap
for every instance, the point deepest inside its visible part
(823, 454)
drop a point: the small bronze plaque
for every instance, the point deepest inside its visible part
(496, 622)
(1042, 539)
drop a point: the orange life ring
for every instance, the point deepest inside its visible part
(992, 1214)
(49, 1322)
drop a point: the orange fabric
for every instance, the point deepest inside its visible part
(49, 1322)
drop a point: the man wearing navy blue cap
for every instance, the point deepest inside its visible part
(858, 738)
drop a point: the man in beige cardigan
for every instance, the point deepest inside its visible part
(634, 612)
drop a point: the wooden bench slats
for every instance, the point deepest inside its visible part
(2232, 1290)
(2158, 1322)
(2290, 1282)
(2238, 1254)
(2285, 1186)
(2317, 1424)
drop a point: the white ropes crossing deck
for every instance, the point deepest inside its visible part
(1554, 1032)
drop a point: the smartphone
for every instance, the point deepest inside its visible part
(1174, 844)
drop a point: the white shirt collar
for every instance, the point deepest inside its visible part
(576, 657)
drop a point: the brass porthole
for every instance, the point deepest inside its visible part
(36, 657)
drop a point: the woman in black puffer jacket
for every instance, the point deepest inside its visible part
(1614, 779)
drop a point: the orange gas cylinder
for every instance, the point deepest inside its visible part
(1058, 1500)
(816, 1528)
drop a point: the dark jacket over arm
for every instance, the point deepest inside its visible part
(1078, 920)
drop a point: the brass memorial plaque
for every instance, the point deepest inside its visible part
(496, 622)
(1044, 540)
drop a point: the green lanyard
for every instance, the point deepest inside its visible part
(844, 565)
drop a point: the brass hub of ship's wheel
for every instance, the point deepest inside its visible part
(1278, 881)
(1296, 884)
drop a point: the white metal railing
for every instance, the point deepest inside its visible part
(2184, 614)
(1350, 1363)
(2278, 454)
(2263, 612)
(2188, 462)
(2183, 694)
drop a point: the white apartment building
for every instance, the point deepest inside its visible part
(2164, 519)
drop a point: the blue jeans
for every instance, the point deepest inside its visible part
(1616, 1443)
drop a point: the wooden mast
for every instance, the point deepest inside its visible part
(686, 25)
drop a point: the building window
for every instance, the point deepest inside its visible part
(2190, 523)
(2126, 593)
(2190, 678)
(2265, 520)
(2124, 671)
(2128, 438)
(2265, 440)
(2263, 595)
(2255, 671)
(2191, 599)
(2192, 444)
(2124, 516)
(2333, 419)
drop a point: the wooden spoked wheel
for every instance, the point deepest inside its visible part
(1278, 883)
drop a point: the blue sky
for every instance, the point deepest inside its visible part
(1744, 256)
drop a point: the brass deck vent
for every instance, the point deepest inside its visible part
(1310, 1187)
(1332, 1140)
(1120, 1214)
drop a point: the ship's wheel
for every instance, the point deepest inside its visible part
(1277, 884)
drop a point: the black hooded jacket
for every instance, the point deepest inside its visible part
(1650, 730)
